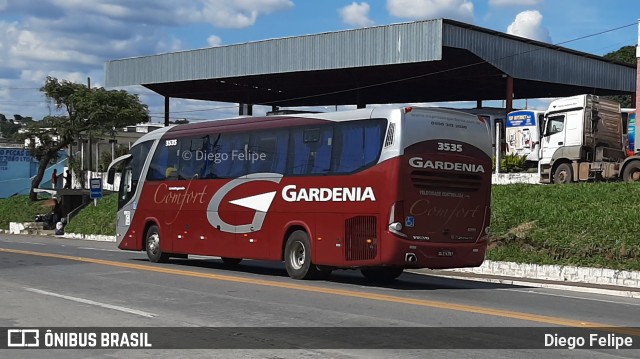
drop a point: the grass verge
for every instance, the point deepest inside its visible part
(100, 219)
(20, 209)
(583, 224)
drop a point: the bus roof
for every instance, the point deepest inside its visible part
(282, 121)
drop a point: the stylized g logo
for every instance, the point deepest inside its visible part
(260, 203)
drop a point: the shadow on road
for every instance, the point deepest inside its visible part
(276, 270)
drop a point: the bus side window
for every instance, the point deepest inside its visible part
(159, 163)
(190, 158)
(210, 155)
(310, 150)
(269, 151)
(358, 145)
(230, 158)
(299, 153)
(322, 153)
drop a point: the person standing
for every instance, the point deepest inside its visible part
(67, 180)
(54, 178)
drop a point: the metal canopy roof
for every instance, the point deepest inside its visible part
(423, 61)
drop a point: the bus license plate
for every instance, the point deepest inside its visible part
(445, 253)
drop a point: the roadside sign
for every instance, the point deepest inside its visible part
(96, 188)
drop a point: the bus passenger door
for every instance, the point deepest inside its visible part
(126, 208)
(248, 209)
(130, 167)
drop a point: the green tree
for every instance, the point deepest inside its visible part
(8, 129)
(88, 110)
(105, 157)
(627, 55)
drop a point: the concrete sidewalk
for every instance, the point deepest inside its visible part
(577, 279)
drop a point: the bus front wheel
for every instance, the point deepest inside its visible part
(381, 274)
(154, 252)
(297, 256)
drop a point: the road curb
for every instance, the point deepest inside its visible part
(558, 273)
(90, 237)
(86, 237)
(536, 283)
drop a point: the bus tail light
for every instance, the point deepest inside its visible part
(396, 216)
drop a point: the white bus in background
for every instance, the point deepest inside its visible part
(523, 128)
(494, 117)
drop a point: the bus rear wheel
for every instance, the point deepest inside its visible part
(297, 256)
(381, 274)
(152, 239)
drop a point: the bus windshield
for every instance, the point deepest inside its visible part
(130, 171)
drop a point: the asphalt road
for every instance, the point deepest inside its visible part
(55, 282)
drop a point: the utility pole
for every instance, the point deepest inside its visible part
(89, 167)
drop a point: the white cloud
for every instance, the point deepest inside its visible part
(514, 2)
(356, 14)
(31, 46)
(72, 39)
(170, 45)
(431, 9)
(238, 13)
(214, 41)
(529, 24)
(220, 13)
(39, 76)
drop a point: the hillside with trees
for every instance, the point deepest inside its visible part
(627, 55)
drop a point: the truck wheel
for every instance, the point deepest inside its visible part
(297, 256)
(563, 174)
(154, 252)
(631, 173)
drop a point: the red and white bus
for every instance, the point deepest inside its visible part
(378, 189)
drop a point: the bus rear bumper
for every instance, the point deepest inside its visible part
(408, 254)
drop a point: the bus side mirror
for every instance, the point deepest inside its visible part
(111, 175)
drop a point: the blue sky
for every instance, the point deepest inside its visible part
(72, 39)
